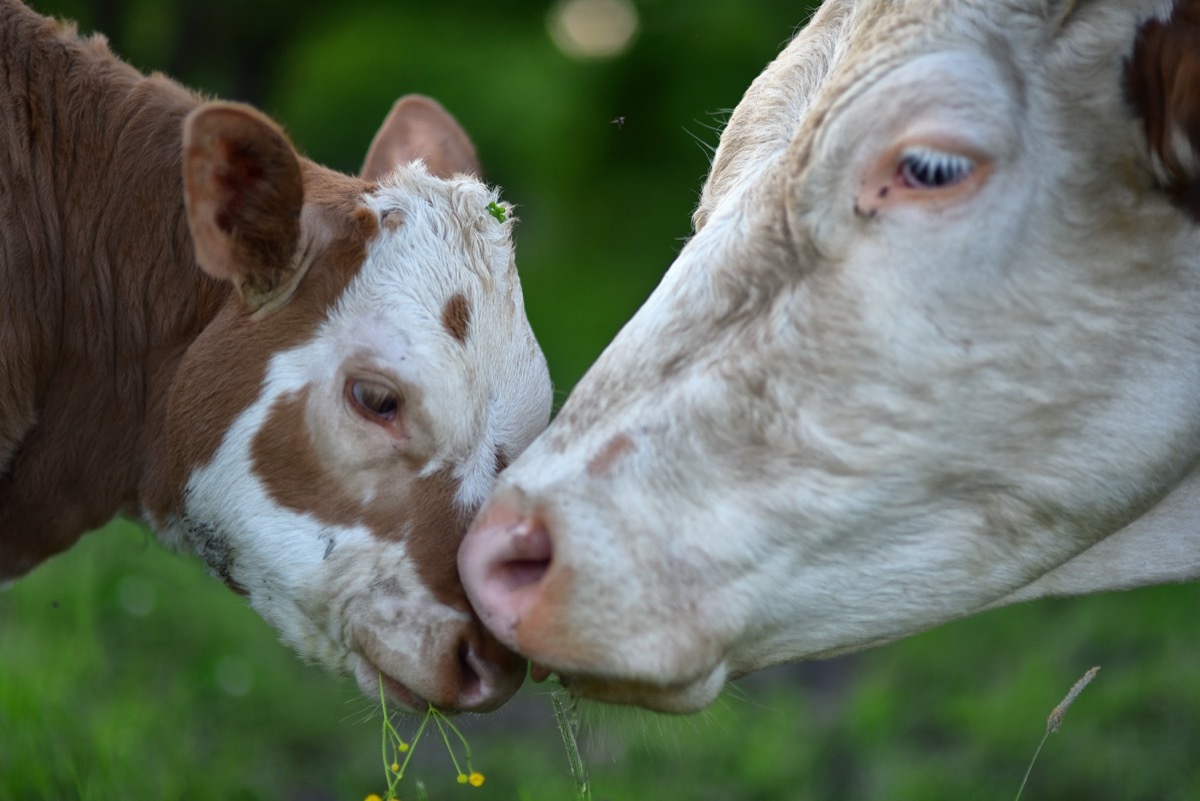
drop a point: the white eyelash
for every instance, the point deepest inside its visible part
(925, 168)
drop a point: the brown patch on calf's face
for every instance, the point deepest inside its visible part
(288, 465)
(420, 511)
(1162, 81)
(436, 526)
(456, 317)
(223, 370)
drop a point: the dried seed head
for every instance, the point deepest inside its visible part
(1054, 722)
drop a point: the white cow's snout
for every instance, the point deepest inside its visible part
(506, 563)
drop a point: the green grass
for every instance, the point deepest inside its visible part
(125, 673)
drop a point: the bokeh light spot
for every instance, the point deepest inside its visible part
(593, 28)
(137, 595)
(234, 675)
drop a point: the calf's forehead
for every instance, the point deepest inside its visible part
(441, 296)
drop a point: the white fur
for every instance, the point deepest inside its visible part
(856, 415)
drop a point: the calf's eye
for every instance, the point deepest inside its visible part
(373, 400)
(924, 168)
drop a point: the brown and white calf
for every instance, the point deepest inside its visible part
(308, 379)
(933, 348)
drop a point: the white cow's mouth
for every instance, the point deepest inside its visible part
(676, 697)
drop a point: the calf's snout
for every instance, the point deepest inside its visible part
(504, 562)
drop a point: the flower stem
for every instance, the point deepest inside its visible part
(567, 722)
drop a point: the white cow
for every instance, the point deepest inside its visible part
(934, 348)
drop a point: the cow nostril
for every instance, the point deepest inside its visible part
(521, 572)
(471, 684)
(488, 673)
(505, 561)
(528, 557)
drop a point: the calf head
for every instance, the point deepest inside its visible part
(935, 336)
(330, 434)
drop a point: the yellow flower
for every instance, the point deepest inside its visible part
(395, 767)
(476, 778)
(403, 747)
(373, 797)
(462, 778)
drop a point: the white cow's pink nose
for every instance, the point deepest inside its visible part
(504, 561)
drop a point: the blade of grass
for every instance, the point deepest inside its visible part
(567, 727)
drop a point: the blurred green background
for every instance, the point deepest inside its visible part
(126, 673)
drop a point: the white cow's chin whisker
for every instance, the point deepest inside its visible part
(675, 698)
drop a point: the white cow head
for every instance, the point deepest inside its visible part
(332, 431)
(934, 344)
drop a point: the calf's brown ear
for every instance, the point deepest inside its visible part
(419, 128)
(244, 195)
(1162, 79)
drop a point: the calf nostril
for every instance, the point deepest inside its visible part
(488, 673)
(471, 683)
(527, 559)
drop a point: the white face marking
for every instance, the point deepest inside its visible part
(860, 405)
(489, 393)
(340, 590)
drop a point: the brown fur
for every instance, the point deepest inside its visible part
(456, 317)
(244, 193)
(108, 328)
(286, 461)
(100, 293)
(436, 527)
(1163, 83)
(223, 370)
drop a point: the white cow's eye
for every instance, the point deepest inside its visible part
(923, 168)
(374, 400)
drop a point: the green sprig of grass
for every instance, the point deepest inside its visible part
(1055, 720)
(394, 745)
(568, 724)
